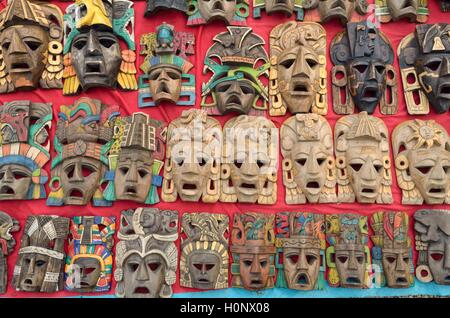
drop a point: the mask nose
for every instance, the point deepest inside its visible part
(352, 263)
(93, 46)
(163, 76)
(17, 45)
(301, 66)
(437, 172)
(372, 72)
(302, 261)
(368, 171)
(142, 274)
(8, 176)
(235, 88)
(77, 173)
(312, 165)
(255, 268)
(250, 169)
(400, 264)
(30, 271)
(132, 173)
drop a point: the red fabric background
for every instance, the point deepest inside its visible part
(128, 101)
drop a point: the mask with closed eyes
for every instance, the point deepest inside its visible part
(393, 10)
(8, 226)
(231, 12)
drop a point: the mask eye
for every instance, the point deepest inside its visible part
(106, 42)
(18, 175)
(179, 161)
(223, 88)
(87, 170)
(360, 259)
(433, 65)
(378, 168)
(80, 44)
(154, 75)
(342, 259)
(89, 270)
(424, 169)
(390, 259)
(301, 162)
(437, 256)
(293, 259)
(209, 266)
(361, 68)
(142, 173)
(248, 263)
(356, 166)
(40, 263)
(311, 259)
(320, 161)
(154, 266)
(247, 89)
(198, 266)
(133, 267)
(238, 164)
(173, 75)
(33, 45)
(6, 45)
(263, 264)
(406, 259)
(380, 69)
(287, 63)
(123, 170)
(312, 63)
(260, 163)
(202, 161)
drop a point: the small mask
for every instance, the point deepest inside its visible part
(167, 68)
(422, 161)
(279, 6)
(8, 225)
(89, 260)
(445, 5)
(204, 251)
(146, 255)
(424, 58)
(432, 229)
(393, 10)
(342, 10)
(192, 168)
(231, 12)
(249, 160)
(391, 252)
(363, 74)
(362, 159)
(309, 168)
(235, 84)
(154, 6)
(84, 135)
(300, 250)
(41, 256)
(92, 52)
(348, 256)
(24, 149)
(253, 250)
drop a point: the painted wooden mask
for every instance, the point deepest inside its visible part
(342, 10)
(235, 84)
(192, 167)
(146, 255)
(363, 74)
(422, 161)
(288, 7)
(24, 149)
(309, 167)
(153, 6)
(39, 266)
(92, 53)
(204, 251)
(393, 10)
(362, 159)
(231, 12)
(84, 135)
(8, 225)
(253, 251)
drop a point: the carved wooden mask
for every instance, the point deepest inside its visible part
(363, 74)
(84, 134)
(298, 74)
(8, 225)
(39, 266)
(309, 167)
(146, 255)
(445, 5)
(92, 52)
(348, 256)
(342, 10)
(89, 260)
(249, 160)
(422, 161)
(432, 229)
(31, 46)
(391, 252)
(362, 159)
(300, 250)
(153, 6)
(192, 167)
(253, 250)
(204, 251)
(231, 12)
(393, 10)
(24, 149)
(288, 7)
(424, 58)
(236, 82)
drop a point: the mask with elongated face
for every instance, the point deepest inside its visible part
(287, 7)
(154, 6)
(342, 10)
(393, 10)
(231, 12)
(8, 226)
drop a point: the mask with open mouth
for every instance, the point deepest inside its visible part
(424, 58)
(41, 256)
(231, 12)
(432, 229)
(445, 5)
(92, 53)
(393, 10)
(154, 6)
(84, 135)
(391, 251)
(8, 226)
(342, 10)
(253, 251)
(422, 161)
(89, 260)
(146, 255)
(204, 252)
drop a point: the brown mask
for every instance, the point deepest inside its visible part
(204, 252)
(422, 161)
(309, 168)
(393, 10)
(341, 9)
(362, 159)
(8, 225)
(211, 10)
(41, 255)
(253, 250)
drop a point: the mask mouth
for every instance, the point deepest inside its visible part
(76, 194)
(218, 6)
(300, 89)
(203, 281)
(401, 280)
(353, 281)
(370, 94)
(19, 67)
(7, 190)
(436, 191)
(130, 190)
(28, 282)
(189, 188)
(369, 192)
(313, 186)
(163, 89)
(141, 290)
(302, 279)
(444, 91)
(233, 101)
(94, 68)
(248, 188)
(256, 283)
(447, 279)
(84, 284)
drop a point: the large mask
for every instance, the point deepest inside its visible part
(393, 10)
(300, 250)
(84, 135)
(445, 5)
(363, 74)
(8, 225)
(298, 80)
(154, 6)
(146, 255)
(24, 149)
(424, 58)
(280, 6)
(231, 12)
(235, 85)
(136, 158)
(391, 252)
(192, 167)
(432, 229)
(253, 250)
(31, 46)
(422, 162)
(89, 260)
(39, 266)
(249, 160)
(362, 159)
(167, 68)
(92, 49)
(342, 10)
(309, 168)
(204, 251)
(348, 256)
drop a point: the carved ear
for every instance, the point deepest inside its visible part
(342, 100)
(389, 100)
